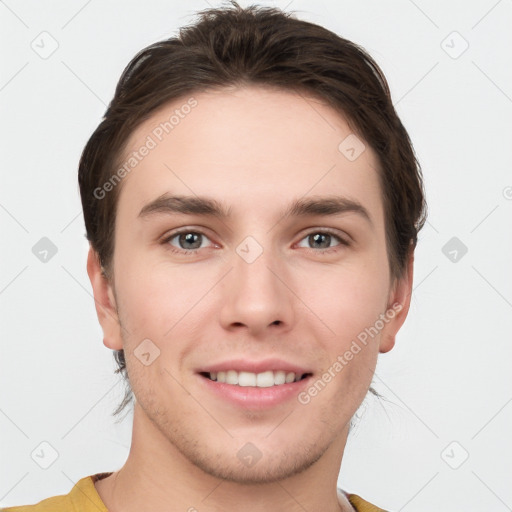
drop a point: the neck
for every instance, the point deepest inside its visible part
(157, 475)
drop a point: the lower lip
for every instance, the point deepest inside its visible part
(255, 398)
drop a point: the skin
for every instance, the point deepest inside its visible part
(255, 149)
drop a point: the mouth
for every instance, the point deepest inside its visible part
(262, 391)
(264, 379)
(258, 385)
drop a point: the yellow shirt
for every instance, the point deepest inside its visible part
(83, 497)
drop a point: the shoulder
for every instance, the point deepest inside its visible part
(83, 497)
(361, 505)
(54, 504)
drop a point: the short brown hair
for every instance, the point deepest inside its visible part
(234, 46)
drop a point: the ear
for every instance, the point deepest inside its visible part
(398, 306)
(104, 302)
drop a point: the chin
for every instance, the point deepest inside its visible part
(267, 468)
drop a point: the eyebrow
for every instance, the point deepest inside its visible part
(194, 205)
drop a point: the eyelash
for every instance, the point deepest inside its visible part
(190, 252)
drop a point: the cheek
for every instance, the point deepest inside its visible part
(160, 300)
(350, 304)
(348, 298)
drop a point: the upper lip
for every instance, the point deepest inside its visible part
(245, 365)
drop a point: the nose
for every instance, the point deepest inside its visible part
(257, 295)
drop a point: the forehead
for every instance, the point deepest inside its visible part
(253, 147)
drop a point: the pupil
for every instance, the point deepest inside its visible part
(189, 238)
(318, 237)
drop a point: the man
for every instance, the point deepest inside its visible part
(252, 203)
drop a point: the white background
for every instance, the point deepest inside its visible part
(448, 378)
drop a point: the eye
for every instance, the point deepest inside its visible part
(322, 240)
(186, 241)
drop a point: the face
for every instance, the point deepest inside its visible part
(264, 289)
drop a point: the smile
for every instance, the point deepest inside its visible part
(264, 379)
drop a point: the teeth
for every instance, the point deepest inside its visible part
(260, 380)
(265, 379)
(231, 377)
(290, 377)
(246, 379)
(280, 378)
